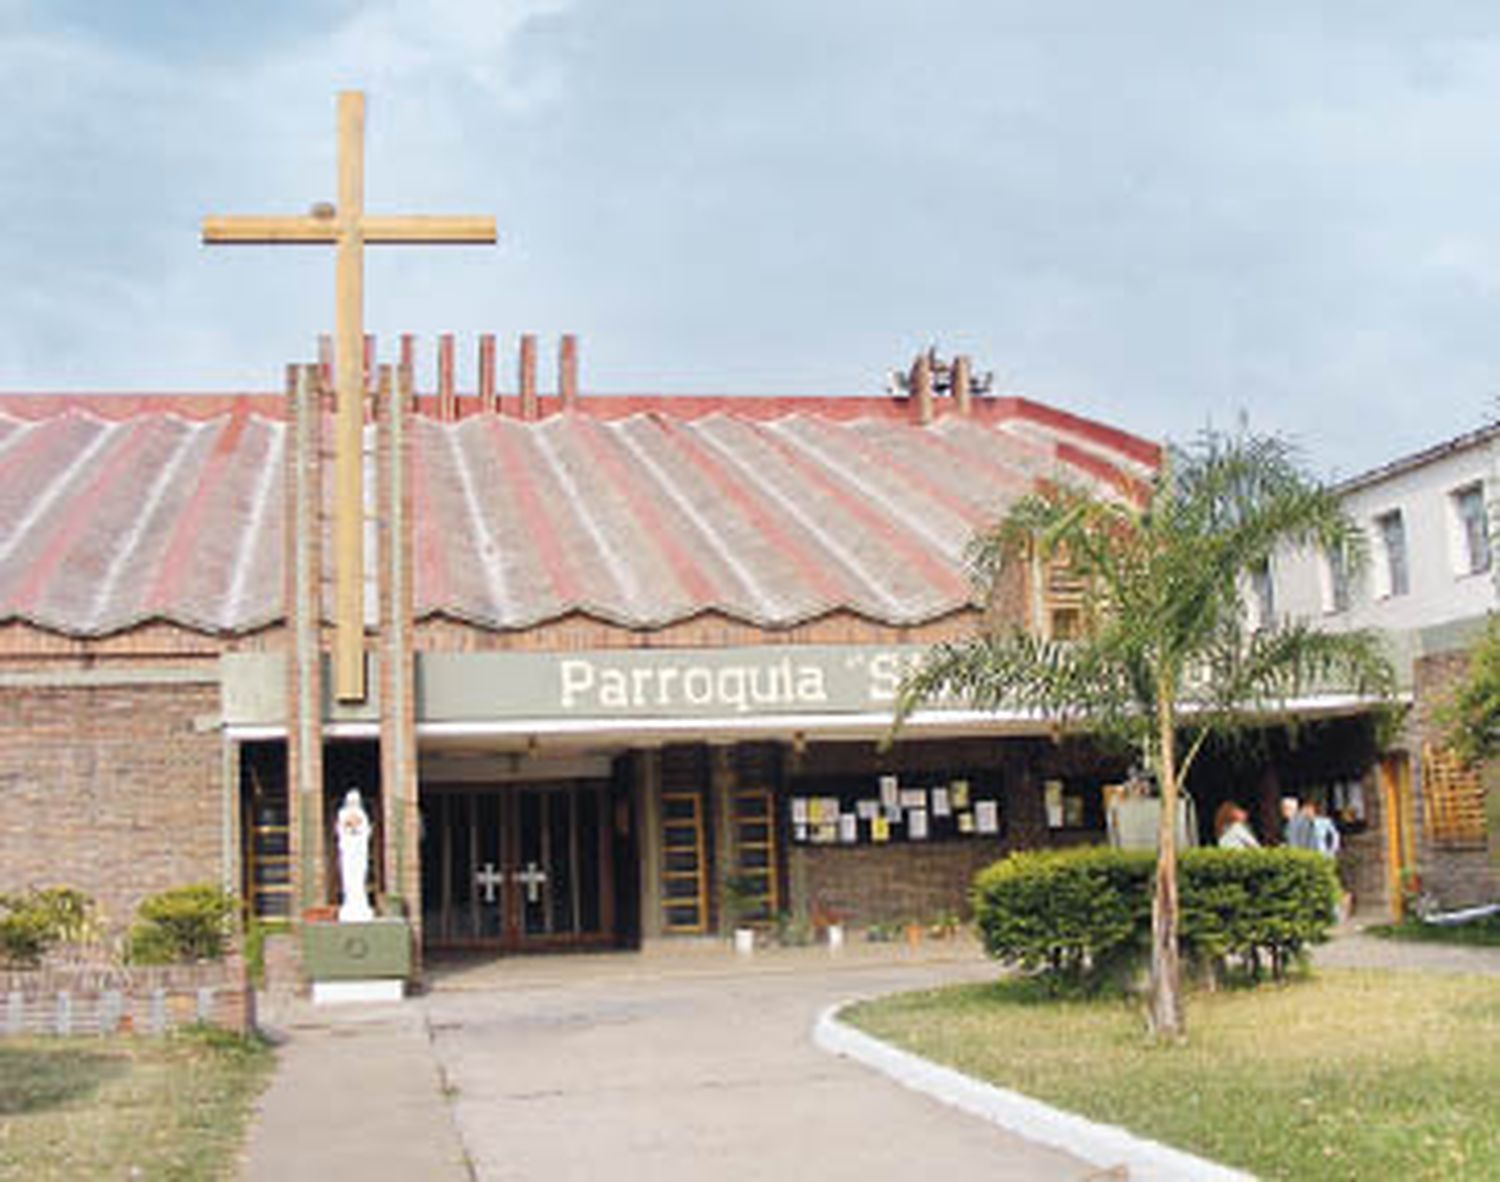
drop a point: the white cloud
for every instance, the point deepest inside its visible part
(120, 151)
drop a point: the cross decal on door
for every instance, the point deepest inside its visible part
(532, 878)
(489, 878)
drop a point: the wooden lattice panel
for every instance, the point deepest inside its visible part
(684, 864)
(755, 851)
(1453, 799)
(1062, 599)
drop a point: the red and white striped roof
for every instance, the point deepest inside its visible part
(637, 511)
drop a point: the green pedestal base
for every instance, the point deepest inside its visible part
(377, 950)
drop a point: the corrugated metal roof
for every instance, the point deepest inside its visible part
(641, 519)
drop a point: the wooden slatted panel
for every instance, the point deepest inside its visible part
(1063, 600)
(268, 853)
(1453, 799)
(684, 872)
(756, 850)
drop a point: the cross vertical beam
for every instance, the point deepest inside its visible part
(348, 384)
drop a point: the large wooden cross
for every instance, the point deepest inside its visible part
(348, 229)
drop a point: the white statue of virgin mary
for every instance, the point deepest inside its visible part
(354, 859)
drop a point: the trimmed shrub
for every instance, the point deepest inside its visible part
(183, 925)
(33, 923)
(1255, 905)
(1074, 917)
(1081, 918)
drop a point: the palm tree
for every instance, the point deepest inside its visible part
(1166, 656)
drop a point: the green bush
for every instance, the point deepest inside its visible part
(1076, 917)
(1081, 919)
(183, 925)
(34, 922)
(1255, 905)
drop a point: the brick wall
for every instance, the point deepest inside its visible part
(1456, 875)
(141, 1000)
(882, 883)
(112, 790)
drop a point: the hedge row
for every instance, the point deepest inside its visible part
(1081, 918)
(178, 926)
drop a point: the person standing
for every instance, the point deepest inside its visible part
(1301, 829)
(1288, 815)
(1326, 839)
(1231, 823)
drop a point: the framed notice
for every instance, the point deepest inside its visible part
(966, 822)
(914, 798)
(916, 824)
(986, 816)
(889, 788)
(848, 828)
(959, 792)
(799, 811)
(880, 830)
(940, 802)
(867, 809)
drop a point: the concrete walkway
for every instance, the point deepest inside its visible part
(678, 1064)
(357, 1094)
(688, 1073)
(682, 1062)
(1352, 949)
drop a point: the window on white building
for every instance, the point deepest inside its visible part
(1390, 528)
(1335, 580)
(1473, 520)
(1262, 594)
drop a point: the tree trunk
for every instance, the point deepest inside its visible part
(1165, 1015)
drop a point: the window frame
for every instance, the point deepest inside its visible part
(1263, 594)
(1395, 558)
(1338, 582)
(1469, 558)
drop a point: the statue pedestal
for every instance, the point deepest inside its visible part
(342, 992)
(351, 962)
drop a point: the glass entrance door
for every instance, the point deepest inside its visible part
(520, 868)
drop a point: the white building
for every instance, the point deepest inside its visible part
(1429, 585)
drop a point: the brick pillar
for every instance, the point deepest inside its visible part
(721, 780)
(527, 383)
(325, 362)
(487, 374)
(647, 789)
(567, 371)
(304, 604)
(962, 381)
(447, 399)
(367, 376)
(398, 732)
(921, 387)
(408, 367)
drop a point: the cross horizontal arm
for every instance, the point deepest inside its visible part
(255, 229)
(436, 228)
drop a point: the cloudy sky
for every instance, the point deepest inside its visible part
(1161, 214)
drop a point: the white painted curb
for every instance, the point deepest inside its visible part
(1102, 1146)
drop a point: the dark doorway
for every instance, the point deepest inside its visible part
(523, 868)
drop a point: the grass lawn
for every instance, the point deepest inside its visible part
(1347, 1075)
(172, 1108)
(1483, 932)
